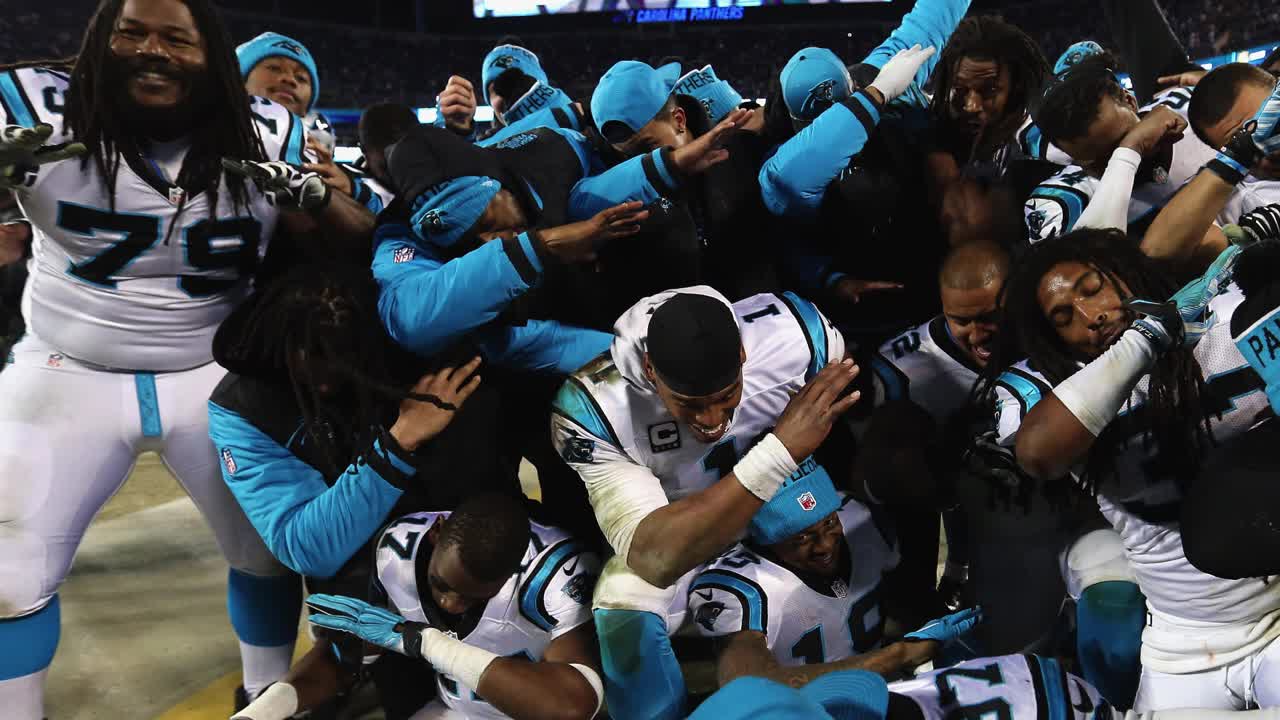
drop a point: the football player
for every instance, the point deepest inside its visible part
(1208, 642)
(1090, 115)
(680, 433)
(801, 596)
(496, 605)
(1012, 686)
(141, 248)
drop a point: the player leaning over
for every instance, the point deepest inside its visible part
(692, 420)
(496, 605)
(140, 249)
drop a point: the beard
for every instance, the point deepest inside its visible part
(159, 123)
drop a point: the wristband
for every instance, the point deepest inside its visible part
(450, 656)
(277, 702)
(1096, 392)
(763, 470)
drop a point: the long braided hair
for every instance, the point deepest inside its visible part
(318, 324)
(1174, 419)
(96, 117)
(986, 37)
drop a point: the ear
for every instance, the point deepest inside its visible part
(678, 119)
(433, 532)
(1131, 102)
(648, 371)
(742, 354)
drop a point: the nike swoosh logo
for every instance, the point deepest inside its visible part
(705, 596)
(568, 570)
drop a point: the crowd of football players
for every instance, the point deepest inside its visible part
(939, 385)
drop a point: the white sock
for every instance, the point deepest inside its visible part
(23, 698)
(263, 665)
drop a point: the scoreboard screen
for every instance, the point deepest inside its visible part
(641, 10)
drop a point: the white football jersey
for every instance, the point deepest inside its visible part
(143, 288)
(926, 366)
(1056, 205)
(1142, 502)
(803, 624)
(1010, 686)
(549, 596)
(609, 413)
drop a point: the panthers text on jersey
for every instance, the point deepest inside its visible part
(1010, 686)
(1056, 205)
(610, 425)
(547, 597)
(802, 624)
(1222, 620)
(144, 287)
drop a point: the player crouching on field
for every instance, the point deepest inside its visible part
(801, 596)
(497, 606)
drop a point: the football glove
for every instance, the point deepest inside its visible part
(23, 151)
(1255, 140)
(285, 186)
(368, 622)
(948, 628)
(1185, 318)
(900, 71)
(1255, 226)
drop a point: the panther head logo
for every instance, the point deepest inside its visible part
(708, 614)
(434, 219)
(821, 97)
(1035, 222)
(706, 105)
(504, 61)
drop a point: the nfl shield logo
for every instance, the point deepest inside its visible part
(55, 360)
(403, 254)
(229, 461)
(807, 501)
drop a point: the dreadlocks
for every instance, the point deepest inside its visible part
(95, 116)
(986, 37)
(1173, 419)
(319, 325)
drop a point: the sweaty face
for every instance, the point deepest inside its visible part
(283, 80)
(159, 52)
(666, 130)
(979, 93)
(971, 317)
(1084, 306)
(1093, 150)
(708, 416)
(818, 550)
(453, 589)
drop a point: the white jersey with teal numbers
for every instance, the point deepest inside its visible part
(1142, 502)
(1010, 687)
(143, 288)
(1056, 205)
(549, 596)
(802, 623)
(610, 425)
